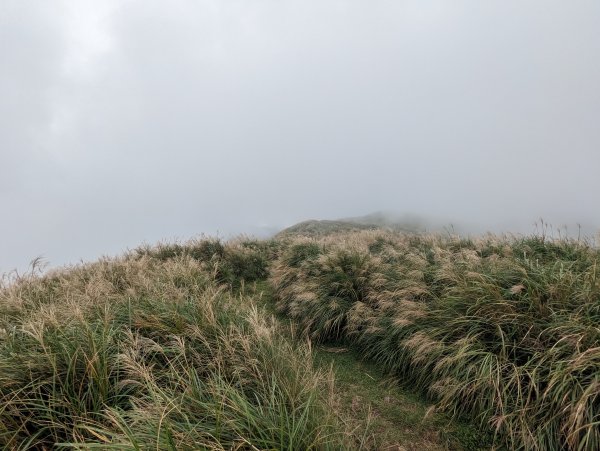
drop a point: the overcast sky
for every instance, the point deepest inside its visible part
(131, 121)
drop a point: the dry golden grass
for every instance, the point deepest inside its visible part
(154, 350)
(501, 329)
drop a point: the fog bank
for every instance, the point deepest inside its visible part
(131, 121)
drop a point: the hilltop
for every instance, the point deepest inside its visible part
(373, 221)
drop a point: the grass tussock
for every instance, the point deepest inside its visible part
(153, 350)
(501, 330)
(235, 263)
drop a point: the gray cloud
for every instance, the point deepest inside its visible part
(129, 121)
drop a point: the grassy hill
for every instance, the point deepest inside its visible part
(373, 221)
(318, 228)
(329, 336)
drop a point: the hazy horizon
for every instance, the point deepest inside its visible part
(124, 122)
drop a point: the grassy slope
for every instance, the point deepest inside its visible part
(155, 351)
(381, 413)
(319, 228)
(170, 347)
(398, 418)
(374, 221)
(503, 330)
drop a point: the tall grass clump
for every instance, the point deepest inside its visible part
(233, 263)
(504, 330)
(153, 350)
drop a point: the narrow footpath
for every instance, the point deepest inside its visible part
(385, 415)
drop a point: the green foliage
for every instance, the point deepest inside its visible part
(243, 263)
(149, 351)
(232, 263)
(53, 377)
(162, 348)
(500, 330)
(396, 416)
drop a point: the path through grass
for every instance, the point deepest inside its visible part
(384, 414)
(398, 419)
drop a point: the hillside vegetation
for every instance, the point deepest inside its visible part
(175, 346)
(504, 331)
(374, 221)
(154, 351)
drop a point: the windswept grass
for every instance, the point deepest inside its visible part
(171, 347)
(153, 351)
(240, 261)
(505, 331)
